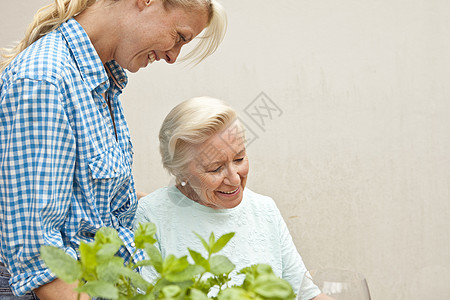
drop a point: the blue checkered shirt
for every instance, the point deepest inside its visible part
(64, 170)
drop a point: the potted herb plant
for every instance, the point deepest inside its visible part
(102, 274)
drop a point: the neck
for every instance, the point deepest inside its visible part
(189, 192)
(96, 20)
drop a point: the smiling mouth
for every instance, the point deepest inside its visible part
(229, 193)
(151, 57)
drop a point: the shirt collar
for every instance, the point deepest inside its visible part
(118, 73)
(86, 57)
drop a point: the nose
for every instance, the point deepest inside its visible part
(232, 176)
(172, 54)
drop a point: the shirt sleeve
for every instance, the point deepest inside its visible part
(293, 267)
(36, 178)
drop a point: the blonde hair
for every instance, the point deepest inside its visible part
(53, 15)
(212, 35)
(45, 20)
(191, 122)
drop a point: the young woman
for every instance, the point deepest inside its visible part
(66, 155)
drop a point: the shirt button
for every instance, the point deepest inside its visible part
(104, 105)
(115, 170)
(133, 245)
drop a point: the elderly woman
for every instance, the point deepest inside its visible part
(66, 155)
(202, 144)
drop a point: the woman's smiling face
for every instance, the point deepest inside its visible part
(217, 175)
(158, 33)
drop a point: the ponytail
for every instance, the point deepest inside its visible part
(45, 20)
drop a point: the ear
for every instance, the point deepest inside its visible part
(142, 4)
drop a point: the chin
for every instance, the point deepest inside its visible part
(133, 70)
(232, 204)
(133, 67)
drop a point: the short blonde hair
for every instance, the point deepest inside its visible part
(191, 122)
(53, 15)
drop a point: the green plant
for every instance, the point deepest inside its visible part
(100, 273)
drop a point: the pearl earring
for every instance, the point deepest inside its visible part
(183, 183)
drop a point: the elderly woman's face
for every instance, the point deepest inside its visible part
(155, 33)
(218, 173)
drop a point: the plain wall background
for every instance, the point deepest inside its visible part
(358, 161)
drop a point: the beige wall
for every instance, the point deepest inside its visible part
(359, 160)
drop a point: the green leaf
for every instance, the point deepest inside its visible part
(206, 285)
(199, 259)
(205, 244)
(62, 264)
(136, 279)
(167, 263)
(107, 251)
(254, 273)
(234, 293)
(172, 264)
(143, 263)
(220, 280)
(99, 289)
(111, 270)
(144, 234)
(272, 287)
(143, 297)
(221, 242)
(186, 274)
(221, 265)
(249, 281)
(197, 295)
(248, 270)
(171, 291)
(123, 287)
(212, 240)
(184, 285)
(155, 257)
(255, 270)
(263, 269)
(107, 235)
(88, 259)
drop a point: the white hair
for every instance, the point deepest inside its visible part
(191, 122)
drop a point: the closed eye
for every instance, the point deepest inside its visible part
(181, 38)
(215, 170)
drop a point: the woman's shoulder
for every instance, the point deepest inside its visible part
(259, 201)
(157, 197)
(250, 194)
(46, 59)
(166, 199)
(153, 205)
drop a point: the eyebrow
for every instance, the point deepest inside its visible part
(221, 161)
(240, 152)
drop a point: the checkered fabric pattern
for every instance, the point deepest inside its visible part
(63, 173)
